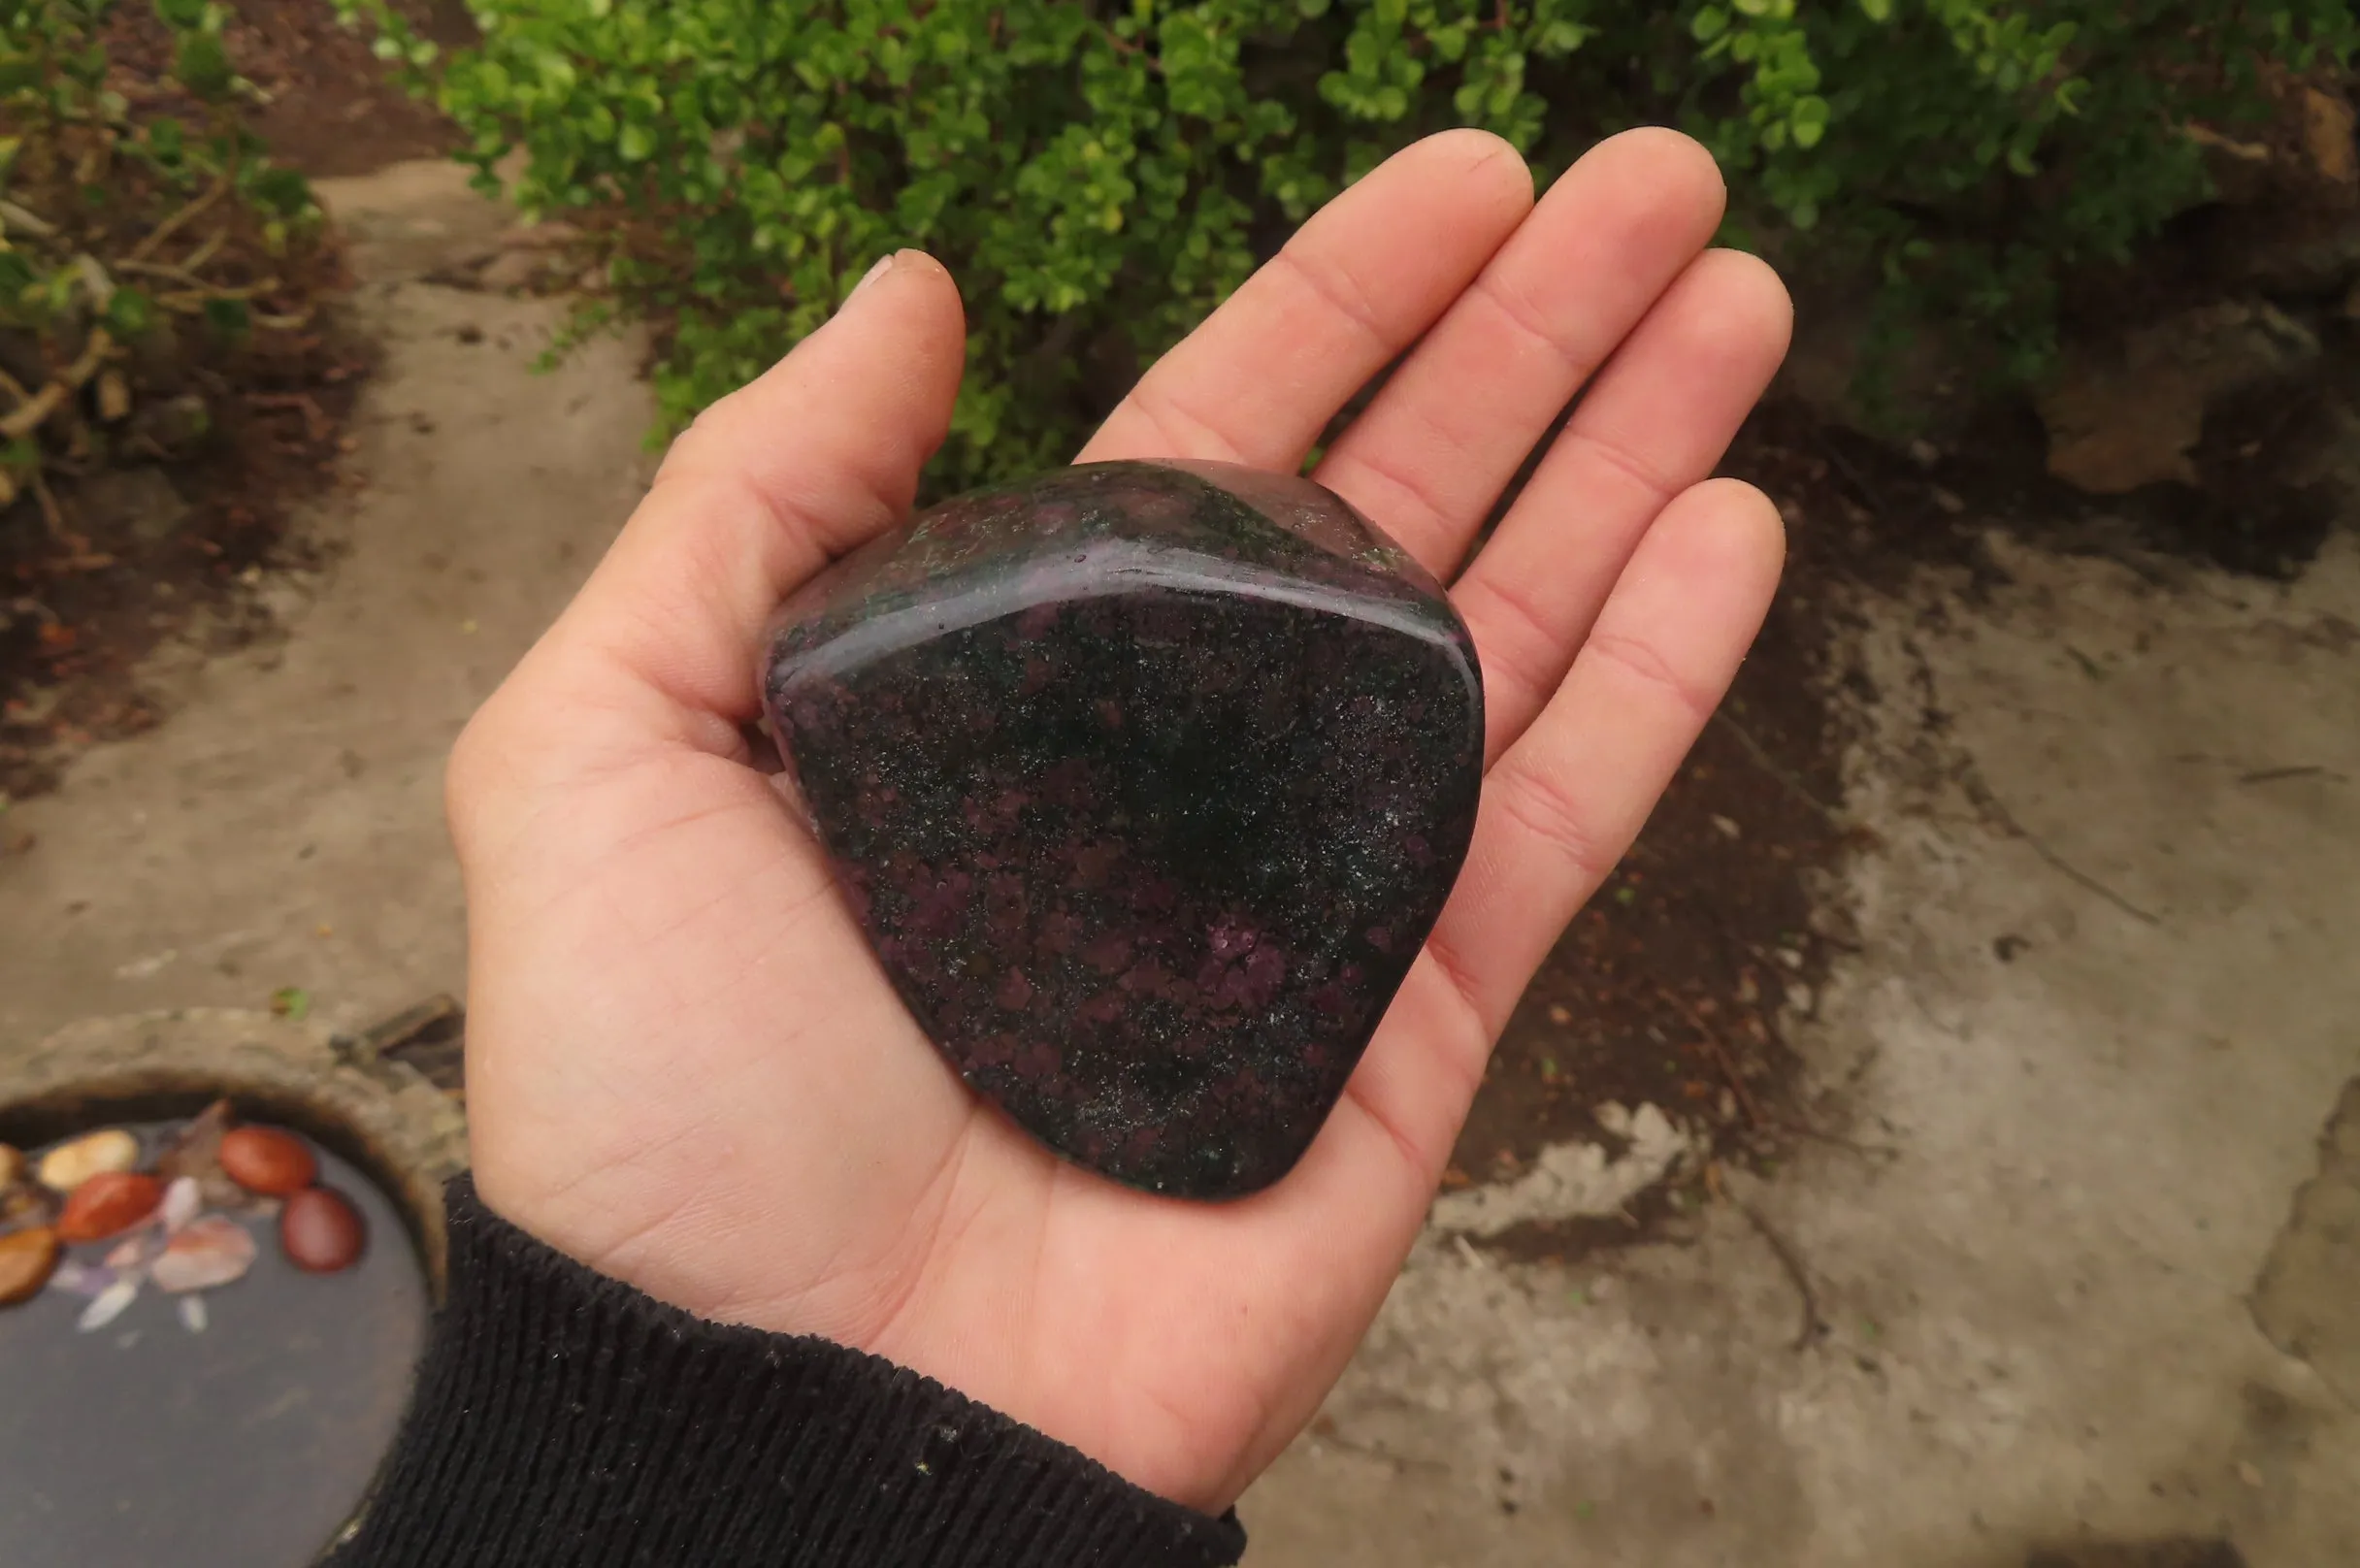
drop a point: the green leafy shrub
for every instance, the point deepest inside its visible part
(1098, 174)
(137, 253)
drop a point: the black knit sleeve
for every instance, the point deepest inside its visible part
(563, 1418)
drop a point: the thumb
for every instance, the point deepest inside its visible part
(819, 454)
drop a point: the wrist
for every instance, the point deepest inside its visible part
(562, 1417)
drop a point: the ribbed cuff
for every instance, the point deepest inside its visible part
(563, 1418)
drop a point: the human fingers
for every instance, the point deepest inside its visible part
(1259, 380)
(1656, 422)
(818, 454)
(1566, 800)
(1433, 451)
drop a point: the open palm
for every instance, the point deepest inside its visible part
(685, 1068)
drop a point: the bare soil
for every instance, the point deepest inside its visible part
(330, 107)
(80, 607)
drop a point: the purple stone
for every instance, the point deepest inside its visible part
(1146, 782)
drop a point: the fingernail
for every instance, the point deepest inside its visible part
(883, 265)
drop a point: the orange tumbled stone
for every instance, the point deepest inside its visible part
(28, 1258)
(265, 1160)
(109, 1204)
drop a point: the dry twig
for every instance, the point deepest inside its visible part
(31, 222)
(29, 415)
(206, 252)
(172, 225)
(1771, 766)
(52, 517)
(189, 300)
(315, 422)
(1720, 1055)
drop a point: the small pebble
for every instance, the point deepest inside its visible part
(27, 1203)
(107, 1306)
(77, 1278)
(181, 1201)
(26, 1259)
(320, 1231)
(196, 1151)
(67, 1166)
(132, 1254)
(213, 1251)
(107, 1205)
(268, 1161)
(192, 1314)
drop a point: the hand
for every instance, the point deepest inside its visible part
(685, 1070)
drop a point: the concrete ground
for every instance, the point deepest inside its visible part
(2082, 1270)
(284, 827)
(2085, 1064)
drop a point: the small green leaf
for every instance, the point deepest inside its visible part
(203, 67)
(1878, 11)
(1807, 121)
(232, 319)
(130, 314)
(1710, 24)
(638, 142)
(1562, 38)
(281, 190)
(178, 14)
(291, 1002)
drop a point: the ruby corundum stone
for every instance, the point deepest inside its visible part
(1146, 782)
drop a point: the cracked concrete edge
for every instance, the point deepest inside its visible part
(1572, 1180)
(405, 1133)
(2302, 1298)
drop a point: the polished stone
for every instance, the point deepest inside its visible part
(1146, 783)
